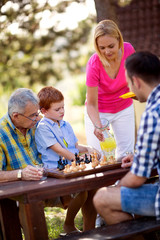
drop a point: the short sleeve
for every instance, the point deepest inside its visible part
(92, 71)
(128, 49)
(147, 147)
(69, 135)
(44, 137)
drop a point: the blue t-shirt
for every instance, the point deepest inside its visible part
(49, 133)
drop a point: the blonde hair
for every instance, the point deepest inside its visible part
(107, 27)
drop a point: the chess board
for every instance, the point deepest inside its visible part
(88, 170)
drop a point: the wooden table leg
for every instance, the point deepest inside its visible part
(33, 221)
(10, 224)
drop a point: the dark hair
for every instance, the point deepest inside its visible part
(144, 65)
(49, 95)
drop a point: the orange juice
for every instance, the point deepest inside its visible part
(108, 145)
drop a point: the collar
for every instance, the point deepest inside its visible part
(12, 125)
(155, 94)
(10, 122)
(61, 122)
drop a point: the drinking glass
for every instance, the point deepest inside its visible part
(41, 168)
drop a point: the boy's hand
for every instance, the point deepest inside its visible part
(92, 150)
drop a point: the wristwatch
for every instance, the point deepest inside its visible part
(19, 174)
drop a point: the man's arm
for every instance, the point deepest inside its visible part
(28, 173)
(132, 181)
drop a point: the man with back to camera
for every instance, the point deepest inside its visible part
(131, 195)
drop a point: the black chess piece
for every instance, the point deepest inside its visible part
(77, 158)
(90, 158)
(64, 162)
(86, 159)
(60, 164)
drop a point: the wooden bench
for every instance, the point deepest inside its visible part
(145, 226)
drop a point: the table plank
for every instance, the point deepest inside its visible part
(29, 191)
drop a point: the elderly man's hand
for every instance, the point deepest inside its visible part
(31, 173)
(127, 161)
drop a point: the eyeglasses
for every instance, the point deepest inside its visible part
(33, 119)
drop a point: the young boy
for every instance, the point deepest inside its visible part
(55, 137)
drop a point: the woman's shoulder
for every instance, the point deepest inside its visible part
(128, 49)
(94, 60)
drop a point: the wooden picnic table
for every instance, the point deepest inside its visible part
(32, 194)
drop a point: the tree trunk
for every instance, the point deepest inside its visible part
(105, 10)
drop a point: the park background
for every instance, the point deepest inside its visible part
(48, 43)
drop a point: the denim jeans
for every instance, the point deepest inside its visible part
(140, 201)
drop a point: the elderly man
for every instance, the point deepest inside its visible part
(132, 196)
(18, 152)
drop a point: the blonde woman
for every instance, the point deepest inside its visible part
(106, 81)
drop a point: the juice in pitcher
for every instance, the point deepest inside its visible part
(108, 146)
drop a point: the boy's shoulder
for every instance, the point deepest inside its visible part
(64, 123)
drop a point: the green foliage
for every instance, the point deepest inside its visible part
(55, 220)
(78, 94)
(34, 47)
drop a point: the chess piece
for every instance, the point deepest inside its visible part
(73, 166)
(86, 159)
(95, 158)
(94, 164)
(60, 164)
(90, 158)
(103, 161)
(82, 166)
(66, 161)
(67, 169)
(111, 160)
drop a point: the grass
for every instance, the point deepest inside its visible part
(55, 219)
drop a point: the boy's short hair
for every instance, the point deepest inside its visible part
(49, 95)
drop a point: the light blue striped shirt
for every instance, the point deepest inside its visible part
(49, 133)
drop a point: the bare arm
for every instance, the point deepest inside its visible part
(132, 181)
(92, 110)
(86, 149)
(62, 151)
(28, 173)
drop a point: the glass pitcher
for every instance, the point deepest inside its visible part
(108, 146)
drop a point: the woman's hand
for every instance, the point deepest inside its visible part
(98, 133)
